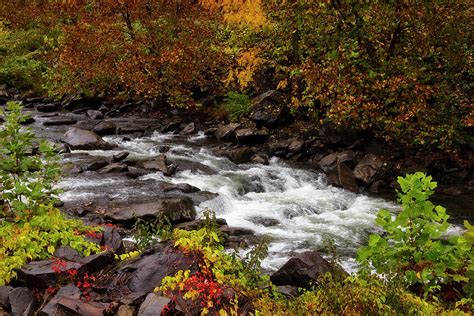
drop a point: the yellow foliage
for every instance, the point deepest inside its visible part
(248, 62)
(246, 12)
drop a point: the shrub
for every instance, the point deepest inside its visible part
(237, 104)
(412, 251)
(30, 227)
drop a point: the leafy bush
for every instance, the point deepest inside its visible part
(237, 104)
(20, 66)
(30, 227)
(412, 251)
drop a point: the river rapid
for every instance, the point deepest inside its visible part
(292, 205)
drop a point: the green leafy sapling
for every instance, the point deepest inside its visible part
(413, 252)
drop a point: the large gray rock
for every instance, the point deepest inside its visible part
(41, 273)
(95, 115)
(114, 167)
(369, 168)
(270, 109)
(153, 305)
(175, 209)
(160, 163)
(227, 132)
(302, 270)
(329, 162)
(48, 108)
(251, 135)
(69, 291)
(342, 177)
(77, 138)
(105, 128)
(22, 302)
(239, 155)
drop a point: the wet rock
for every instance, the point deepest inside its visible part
(251, 135)
(329, 162)
(160, 163)
(343, 177)
(146, 272)
(96, 262)
(67, 253)
(194, 166)
(199, 223)
(41, 274)
(266, 221)
(69, 291)
(176, 209)
(22, 302)
(170, 127)
(302, 270)
(182, 187)
(377, 186)
(227, 132)
(4, 293)
(48, 108)
(82, 103)
(120, 156)
(80, 307)
(189, 129)
(240, 231)
(369, 168)
(153, 305)
(105, 128)
(81, 139)
(239, 155)
(135, 173)
(270, 109)
(296, 146)
(260, 159)
(95, 115)
(59, 120)
(112, 240)
(95, 164)
(114, 167)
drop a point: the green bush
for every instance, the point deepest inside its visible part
(20, 65)
(413, 252)
(237, 104)
(30, 227)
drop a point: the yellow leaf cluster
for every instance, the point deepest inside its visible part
(241, 12)
(248, 63)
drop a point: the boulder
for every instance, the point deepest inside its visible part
(120, 156)
(41, 273)
(81, 139)
(260, 159)
(342, 177)
(69, 291)
(182, 187)
(105, 128)
(48, 108)
(67, 253)
(189, 129)
(94, 164)
(270, 109)
(4, 294)
(22, 302)
(96, 262)
(126, 310)
(112, 240)
(176, 209)
(160, 163)
(227, 132)
(295, 146)
(146, 272)
(329, 162)
(59, 120)
(239, 155)
(369, 168)
(154, 305)
(114, 167)
(302, 270)
(95, 115)
(251, 135)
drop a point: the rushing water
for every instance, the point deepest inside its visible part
(293, 206)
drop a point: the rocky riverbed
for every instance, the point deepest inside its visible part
(260, 176)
